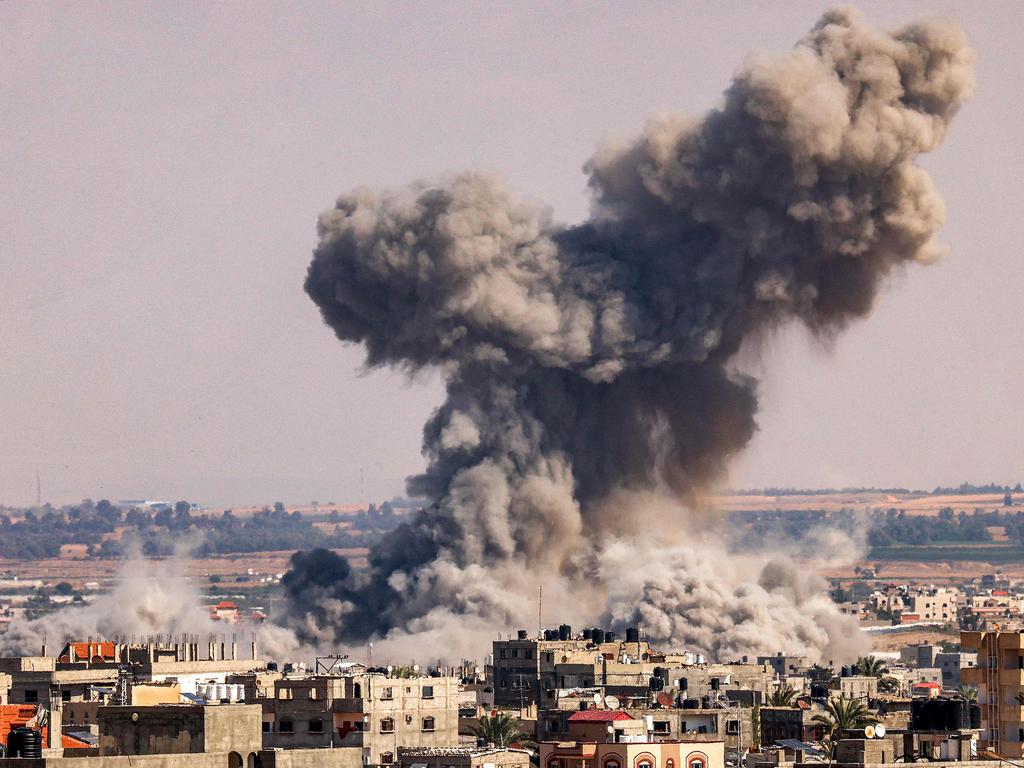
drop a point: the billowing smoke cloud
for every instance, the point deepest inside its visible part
(595, 362)
(149, 598)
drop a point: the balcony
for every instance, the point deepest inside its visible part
(351, 739)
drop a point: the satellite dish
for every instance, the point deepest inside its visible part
(869, 731)
(879, 731)
(611, 702)
(597, 699)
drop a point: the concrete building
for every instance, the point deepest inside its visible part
(936, 604)
(665, 754)
(371, 711)
(180, 729)
(462, 757)
(999, 680)
(950, 665)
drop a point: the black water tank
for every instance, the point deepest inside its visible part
(845, 672)
(271, 666)
(657, 684)
(691, 703)
(819, 691)
(683, 684)
(598, 634)
(609, 637)
(715, 683)
(521, 634)
(975, 715)
(632, 635)
(565, 632)
(550, 634)
(25, 742)
(588, 634)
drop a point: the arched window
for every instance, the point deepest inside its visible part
(357, 691)
(428, 723)
(554, 762)
(234, 760)
(387, 758)
(670, 763)
(697, 760)
(387, 725)
(611, 762)
(645, 760)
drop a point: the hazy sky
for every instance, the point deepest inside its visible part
(162, 168)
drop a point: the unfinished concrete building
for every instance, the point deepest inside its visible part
(371, 711)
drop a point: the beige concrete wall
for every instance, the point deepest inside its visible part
(345, 757)
(233, 727)
(143, 694)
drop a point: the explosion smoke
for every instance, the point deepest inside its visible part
(588, 365)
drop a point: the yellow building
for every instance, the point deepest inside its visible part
(999, 680)
(639, 754)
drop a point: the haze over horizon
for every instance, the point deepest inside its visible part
(160, 213)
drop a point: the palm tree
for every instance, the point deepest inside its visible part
(968, 693)
(888, 685)
(782, 696)
(819, 674)
(500, 730)
(870, 666)
(842, 714)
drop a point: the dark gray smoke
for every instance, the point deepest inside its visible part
(593, 362)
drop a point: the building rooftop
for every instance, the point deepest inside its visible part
(599, 716)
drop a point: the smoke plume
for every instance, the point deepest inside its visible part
(591, 367)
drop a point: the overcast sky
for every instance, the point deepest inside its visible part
(163, 165)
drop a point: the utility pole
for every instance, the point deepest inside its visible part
(39, 491)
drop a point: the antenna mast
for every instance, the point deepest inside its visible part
(540, 611)
(39, 491)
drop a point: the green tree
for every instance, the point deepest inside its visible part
(819, 674)
(842, 714)
(499, 730)
(64, 588)
(870, 666)
(968, 692)
(783, 696)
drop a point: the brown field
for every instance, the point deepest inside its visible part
(224, 565)
(913, 504)
(894, 641)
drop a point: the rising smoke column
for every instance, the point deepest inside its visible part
(593, 362)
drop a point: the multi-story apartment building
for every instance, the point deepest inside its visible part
(999, 680)
(935, 604)
(369, 710)
(533, 671)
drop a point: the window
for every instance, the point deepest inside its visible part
(611, 762)
(501, 653)
(312, 694)
(65, 695)
(504, 683)
(266, 726)
(316, 725)
(732, 727)
(428, 691)
(529, 653)
(286, 726)
(388, 694)
(661, 726)
(515, 653)
(387, 725)
(553, 725)
(428, 724)
(670, 763)
(31, 696)
(697, 760)
(387, 758)
(357, 691)
(554, 762)
(644, 760)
